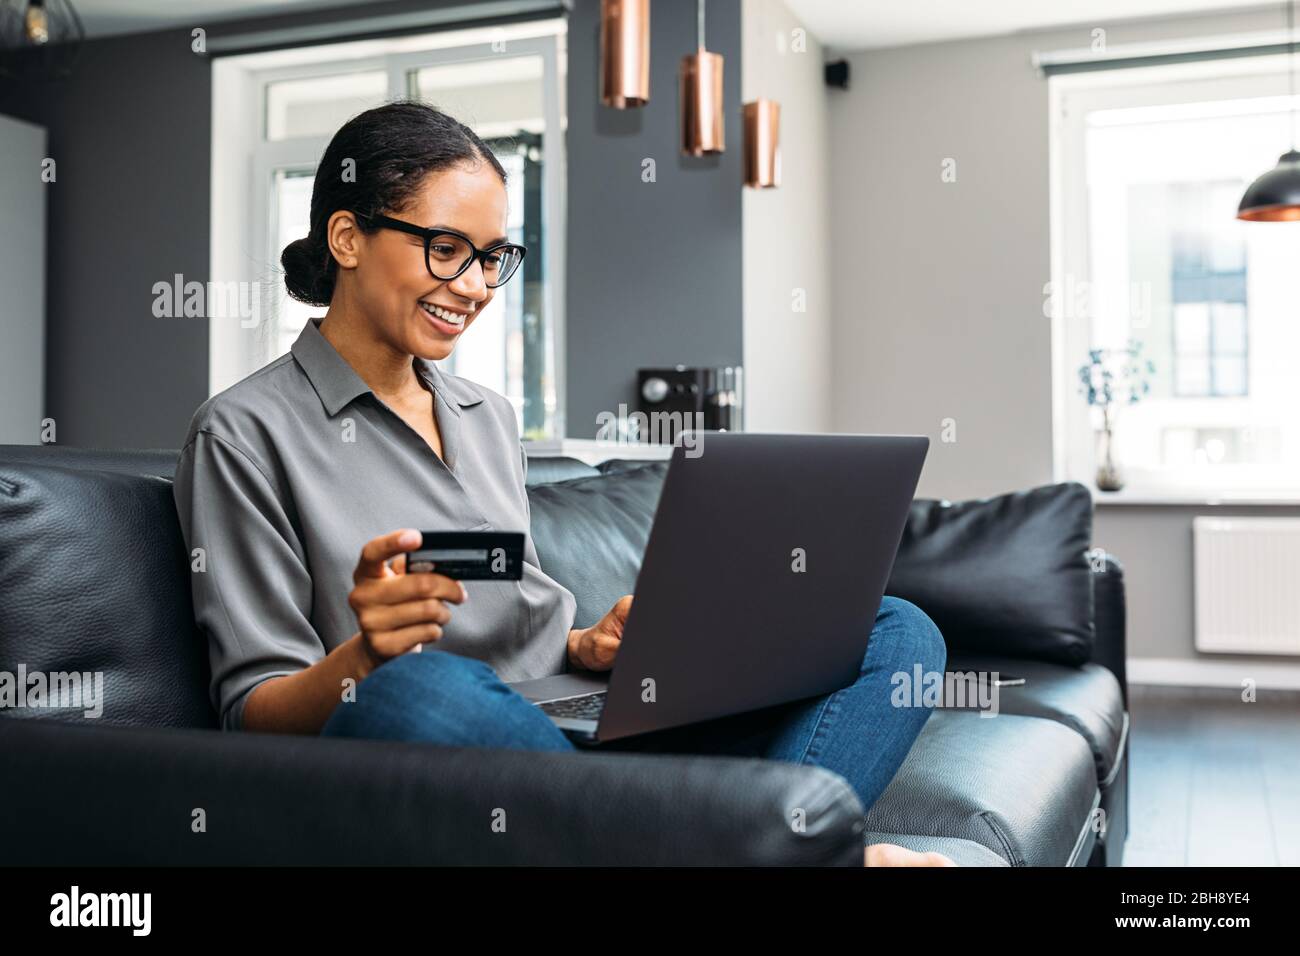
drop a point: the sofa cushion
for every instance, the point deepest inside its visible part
(591, 533)
(1086, 699)
(1022, 787)
(1006, 575)
(95, 579)
(544, 469)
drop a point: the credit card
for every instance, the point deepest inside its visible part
(470, 555)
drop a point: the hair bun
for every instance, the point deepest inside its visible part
(307, 273)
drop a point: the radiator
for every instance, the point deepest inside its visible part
(1247, 581)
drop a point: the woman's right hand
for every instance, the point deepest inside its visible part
(398, 612)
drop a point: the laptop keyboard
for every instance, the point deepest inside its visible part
(586, 707)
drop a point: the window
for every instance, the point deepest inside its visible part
(505, 83)
(1148, 168)
(318, 105)
(1207, 282)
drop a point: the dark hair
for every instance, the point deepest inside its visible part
(392, 148)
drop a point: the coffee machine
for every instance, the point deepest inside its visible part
(683, 397)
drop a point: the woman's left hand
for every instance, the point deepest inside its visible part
(594, 648)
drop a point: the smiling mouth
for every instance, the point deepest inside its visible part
(454, 319)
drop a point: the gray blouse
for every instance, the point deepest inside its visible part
(286, 474)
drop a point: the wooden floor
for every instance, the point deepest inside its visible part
(1213, 781)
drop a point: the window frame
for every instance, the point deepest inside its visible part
(1071, 98)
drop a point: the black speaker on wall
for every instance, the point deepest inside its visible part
(837, 74)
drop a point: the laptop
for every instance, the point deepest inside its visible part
(765, 567)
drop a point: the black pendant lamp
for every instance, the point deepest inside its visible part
(1275, 196)
(39, 38)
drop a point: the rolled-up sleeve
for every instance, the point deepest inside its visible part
(251, 586)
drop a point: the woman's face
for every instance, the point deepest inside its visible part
(392, 284)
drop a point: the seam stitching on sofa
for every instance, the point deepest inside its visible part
(1082, 838)
(1077, 726)
(1119, 753)
(1012, 857)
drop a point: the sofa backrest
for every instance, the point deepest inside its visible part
(162, 461)
(94, 577)
(146, 461)
(95, 586)
(591, 533)
(1009, 575)
(94, 582)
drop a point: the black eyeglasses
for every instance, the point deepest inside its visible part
(448, 253)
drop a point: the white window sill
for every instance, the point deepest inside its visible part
(1175, 497)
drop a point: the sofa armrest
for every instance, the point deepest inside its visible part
(1110, 614)
(91, 795)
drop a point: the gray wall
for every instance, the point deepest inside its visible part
(1155, 546)
(654, 269)
(938, 287)
(129, 133)
(130, 130)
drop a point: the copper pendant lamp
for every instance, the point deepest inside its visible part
(1275, 196)
(761, 122)
(700, 81)
(762, 144)
(624, 53)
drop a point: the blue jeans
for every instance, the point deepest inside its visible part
(858, 732)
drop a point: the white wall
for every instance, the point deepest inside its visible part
(938, 287)
(22, 282)
(786, 233)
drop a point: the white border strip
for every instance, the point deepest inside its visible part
(468, 14)
(1169, 671)
(1182, 47)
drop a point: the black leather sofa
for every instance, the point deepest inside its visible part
(94, 578)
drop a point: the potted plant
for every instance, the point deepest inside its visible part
(1111, 379)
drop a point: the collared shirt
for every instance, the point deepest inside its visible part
(284, 477)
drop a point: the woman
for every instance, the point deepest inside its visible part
(356, 438)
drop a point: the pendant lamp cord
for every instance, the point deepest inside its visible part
(699, 20)
(1290, 35)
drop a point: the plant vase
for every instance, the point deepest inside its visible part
(1108, 473)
